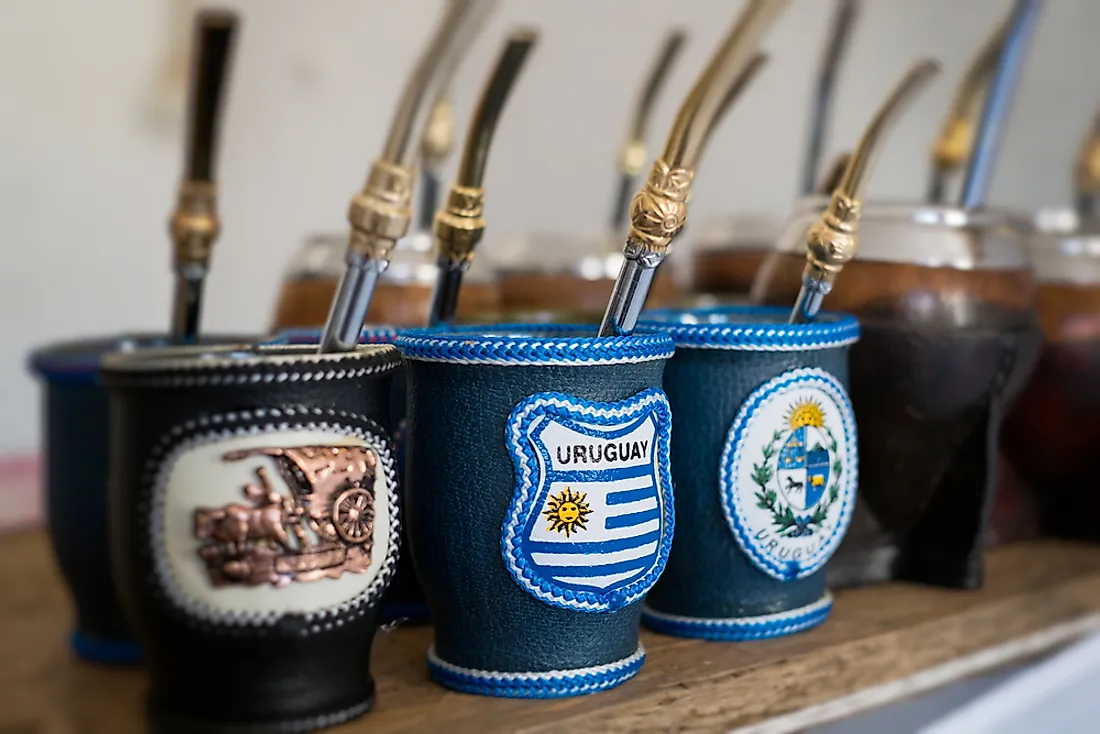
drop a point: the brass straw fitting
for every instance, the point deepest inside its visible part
(439, 135)
(833, 240)
(1087, 170)
(953, 145)
(459, 226)
(195, 225)
(659, 211)
(632, 157)
(381, 213)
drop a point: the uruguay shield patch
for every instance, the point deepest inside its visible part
(591, 519)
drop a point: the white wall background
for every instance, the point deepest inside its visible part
(88, 174)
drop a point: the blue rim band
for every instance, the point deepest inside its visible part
(531, 345)
(741, 629)
(549, 684)
(106, 652)
(750, 328)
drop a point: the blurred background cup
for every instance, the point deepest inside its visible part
(75, 451)
(765, 463)
(539, 502)
(254, 527)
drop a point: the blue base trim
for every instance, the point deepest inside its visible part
(106, 652)
(405, 613)
(739, 629)
(548, 684)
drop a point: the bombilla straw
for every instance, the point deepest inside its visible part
(194, 224)
(1087, 173)
(632, 155)
(658, 212)
(998, 102)
(824, 90)
(832, 241)
(459, 225)
(954, 145)
(380, 214)
(435, 147)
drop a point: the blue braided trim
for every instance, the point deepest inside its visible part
(547, 684)
(739, 629)
(369, 335)
(532, 485)
(751, 328)
(506, 345)
(105, 652)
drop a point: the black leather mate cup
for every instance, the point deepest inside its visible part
(254, 527)
(929, 401)
(74, 453)
(403, 602)
(540, 502)
(765, 463)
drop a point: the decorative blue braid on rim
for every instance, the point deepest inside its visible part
(369, 335)
(543, 684)
(105, 652)
(751, 328)
(740, 629)
(525, 345)
(557, 583)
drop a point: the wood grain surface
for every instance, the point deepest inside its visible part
(874, 635)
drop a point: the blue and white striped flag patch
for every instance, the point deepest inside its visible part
(591, 519)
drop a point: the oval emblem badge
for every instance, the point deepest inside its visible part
(590, 524)
(789, 472)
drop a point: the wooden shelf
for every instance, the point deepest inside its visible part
(1037, 596)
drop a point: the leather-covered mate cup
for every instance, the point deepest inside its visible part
(403, 602)
(539, 500)
(254, 527)
(75, 448)
(765, 463)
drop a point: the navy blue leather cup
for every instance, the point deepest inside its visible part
(765, 463)
(403, 601)
(539, 502)
(75, 447)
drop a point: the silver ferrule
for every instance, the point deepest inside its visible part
(352, 302)
(810, 298)
(187, 302)
(631, 288)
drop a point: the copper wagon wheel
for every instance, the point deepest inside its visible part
(353, 515)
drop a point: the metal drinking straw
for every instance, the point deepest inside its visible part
(998, 102)
(824, 90)
(832, 241)
(380, 214)
(459, 225)
(632, 155)
(435, 147)
(954, 145)
(659, 210)
(1087, 173)
(194, 224)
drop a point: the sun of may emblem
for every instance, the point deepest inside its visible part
(566, 511)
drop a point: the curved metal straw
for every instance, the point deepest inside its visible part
(843, 20)
(459, 225)
(380, 214)
(954, 144)
(998, 102)
(834, 174)
(832, 241)
(633, 154)
(435, 147)
(1087, 173)
(659, 210)
(194, 224)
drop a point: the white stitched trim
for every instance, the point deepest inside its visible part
(547, 675)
